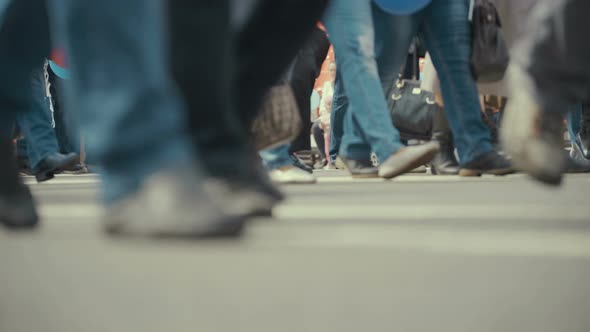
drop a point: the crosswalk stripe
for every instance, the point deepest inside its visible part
(467, 212)
(340, 178)
(62, 181)
(430, 211)
(93, 179)
(485, 241)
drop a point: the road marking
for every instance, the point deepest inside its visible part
(322, 212)
(530, 243)
(60, 181)
(430, 211)
(340, 178)
(432, 238)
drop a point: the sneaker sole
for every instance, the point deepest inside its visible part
(365, 176)
(229, 229)
(475, 173)
(297, 182)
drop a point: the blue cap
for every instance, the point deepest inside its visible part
(402, 7)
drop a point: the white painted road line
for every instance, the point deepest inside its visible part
(565, 243)
(529, 243)
(322, 212)
(63, 181)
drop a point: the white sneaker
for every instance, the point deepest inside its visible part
(330, 167)
(292, 175)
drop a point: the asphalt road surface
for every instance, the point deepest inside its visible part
(420, 253)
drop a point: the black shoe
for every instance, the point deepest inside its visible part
(252, 181)
(407, 159)
(17, 209)
(249, 178)
(360, 169)
(575, 167)
(55, 163)
(489, 163)
(444, 163)
(262, 194)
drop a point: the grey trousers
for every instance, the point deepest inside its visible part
(555, 51)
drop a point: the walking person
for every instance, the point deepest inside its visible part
(550, 71)
(131, 114)
(259, 44)
(37, 125)
(446, 32)
(367, 125)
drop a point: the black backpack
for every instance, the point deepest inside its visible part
(490, 56)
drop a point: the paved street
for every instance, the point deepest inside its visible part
(420, 253)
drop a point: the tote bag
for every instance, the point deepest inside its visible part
(278, 121)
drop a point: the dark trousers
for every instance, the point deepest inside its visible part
(339, 107)
(242, 66)
(301, 76)
(558, 55)
(201, 33)
(267, 45)
(318, 136)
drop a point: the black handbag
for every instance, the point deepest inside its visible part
(278, 121)
(490, 55)
(412, 109)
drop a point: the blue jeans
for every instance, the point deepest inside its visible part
(132, 116)
(339, 107)
(130, 111)
(367, 125)
(574, 121)
(29, 43)
(446, 32)
(276, 158)
(36, 124)
(67, 121)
